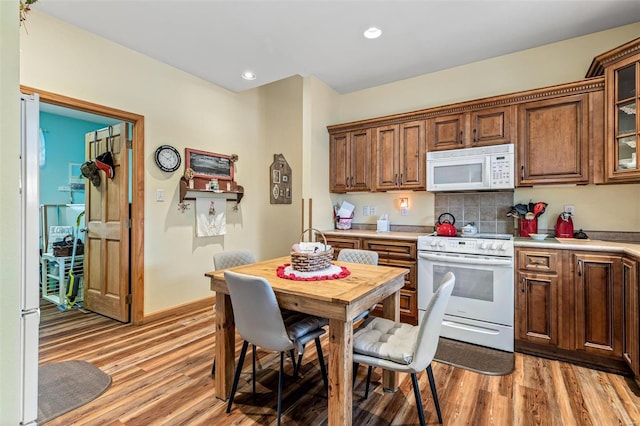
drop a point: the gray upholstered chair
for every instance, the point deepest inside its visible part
(359, 256)
(259, 321)
(229, 259)
(405, 348)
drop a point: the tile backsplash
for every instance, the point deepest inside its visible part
(488, 210)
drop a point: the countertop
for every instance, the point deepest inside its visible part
(549, 243)
(365, 233)
(575, 244)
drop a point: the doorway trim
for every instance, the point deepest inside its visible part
(136, 269)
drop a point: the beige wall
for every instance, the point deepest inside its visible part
(180, 110)
(279, 225)
(547, 65)
(9, 219)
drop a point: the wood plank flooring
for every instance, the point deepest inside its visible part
(161, 376)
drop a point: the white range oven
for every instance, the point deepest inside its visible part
(481, 306)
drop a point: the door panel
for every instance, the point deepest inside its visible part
(107, 284)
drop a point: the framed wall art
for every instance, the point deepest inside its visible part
(209, 165)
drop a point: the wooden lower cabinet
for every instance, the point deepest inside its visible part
(569, 305)
(598, 303)
(537, 298)
(631, 343)
(396, 253)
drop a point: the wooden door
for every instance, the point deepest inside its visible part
(598, 304)
(631, 345)
(491, 126)
(537, 302)
(385, 143)
(553, 140)
(412, 161)
(446, 132)
(339, 175)
(106, 279)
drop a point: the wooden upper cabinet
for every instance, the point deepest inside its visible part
(553, 141)
(350, 161)
(399, 156)
(621, 69)
(487, 126)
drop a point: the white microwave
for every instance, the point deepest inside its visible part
(471, 169)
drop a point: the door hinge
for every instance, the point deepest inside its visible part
(128, 223)
(128, 299)
(129, 144)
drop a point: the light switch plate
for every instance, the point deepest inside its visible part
(365, 210)
(159, 194)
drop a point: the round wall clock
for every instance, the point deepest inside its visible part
(168, 158)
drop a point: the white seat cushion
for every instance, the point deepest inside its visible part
(386, 339)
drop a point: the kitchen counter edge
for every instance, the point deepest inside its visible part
(587, 245)
(364, 233)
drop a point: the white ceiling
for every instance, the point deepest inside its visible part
(217, 40)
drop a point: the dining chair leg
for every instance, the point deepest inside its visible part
(293, 361)
(323, 369)
(236, 378)
(416, 392)
(355, 372)
(434, 393)
(366, 389)
(280, 380)
(253, 374)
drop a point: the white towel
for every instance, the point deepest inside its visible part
(211, 217)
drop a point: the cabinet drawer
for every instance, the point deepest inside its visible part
(410, 279)
(339, 243)
(392, 249)
(544, 261)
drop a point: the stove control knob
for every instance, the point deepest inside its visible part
(483, 246)
(433, 243)
(494, 246)
(441, 244)
(503, 247)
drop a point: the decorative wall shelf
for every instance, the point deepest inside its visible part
(235, 193)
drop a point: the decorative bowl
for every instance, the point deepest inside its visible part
(538, 237)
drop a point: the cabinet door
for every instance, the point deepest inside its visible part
(360, 160)
(491, 126)
(339, 162)
(623, 133)
(631, 345)
(350, 161)
(412, 155)
(598, 302)
(537, 299)
(553, 140)
(446, 132)
(385, 142)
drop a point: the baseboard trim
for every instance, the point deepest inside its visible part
(180, 309)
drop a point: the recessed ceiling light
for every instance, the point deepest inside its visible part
(372, 32)
(249, 75)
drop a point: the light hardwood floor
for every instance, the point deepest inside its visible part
(161, 376)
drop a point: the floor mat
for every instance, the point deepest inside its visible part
(475, 358)
(64, 386)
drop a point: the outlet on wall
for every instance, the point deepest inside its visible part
(373, 210)
(570, 209)
(365, 210)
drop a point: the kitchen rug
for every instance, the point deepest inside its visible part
(475, 358)
(67, 385)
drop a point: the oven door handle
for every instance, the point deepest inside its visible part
(466, 260)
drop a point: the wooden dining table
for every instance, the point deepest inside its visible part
(339, 300)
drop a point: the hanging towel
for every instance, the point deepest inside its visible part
(211, 217)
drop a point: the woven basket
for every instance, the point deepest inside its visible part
(310, 262)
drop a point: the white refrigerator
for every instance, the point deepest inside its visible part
(29, 257)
